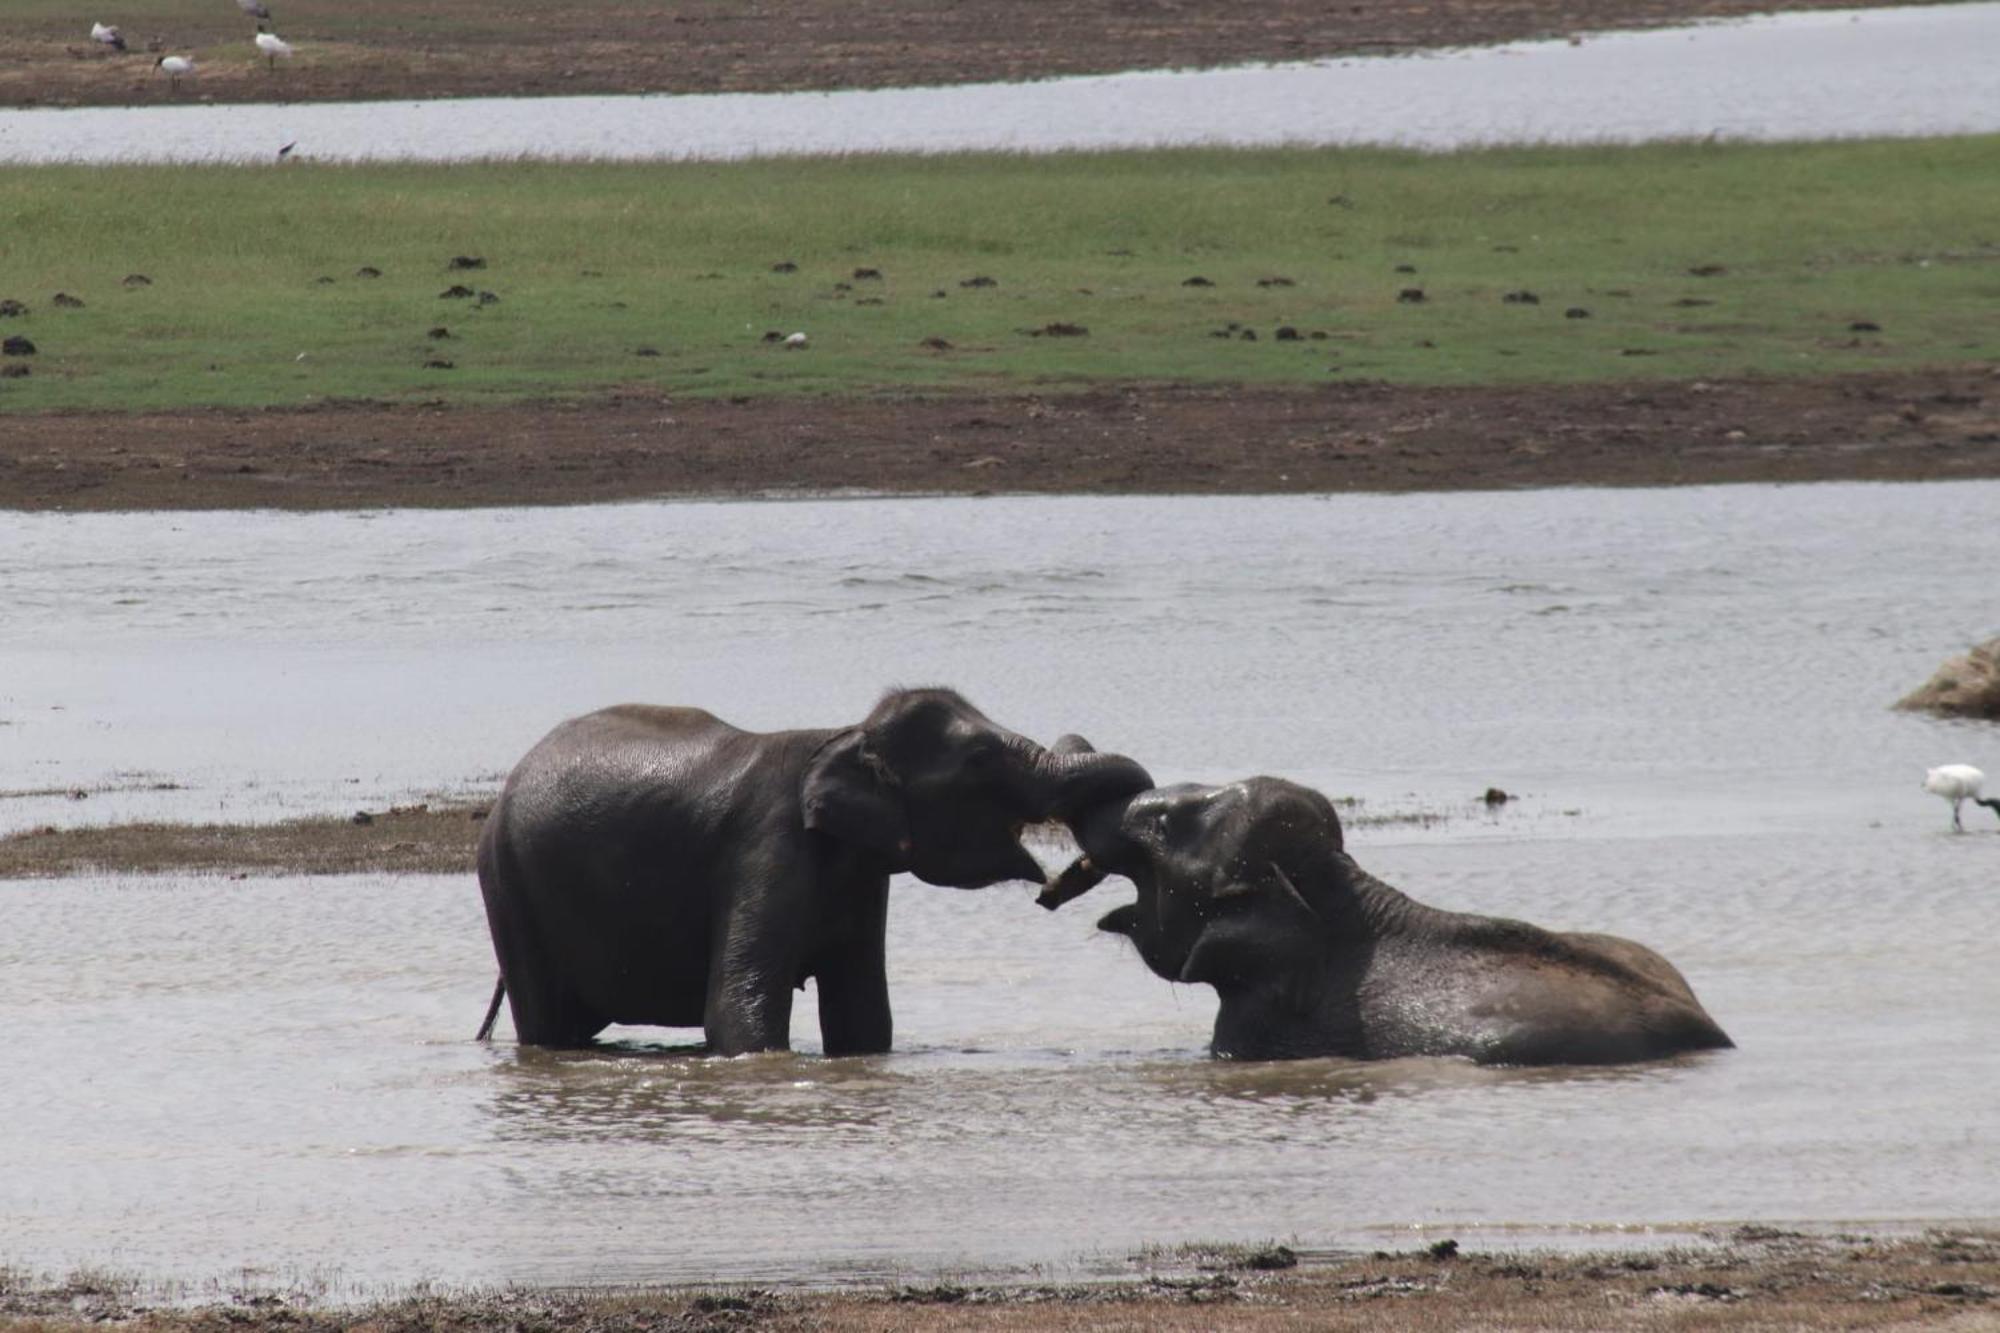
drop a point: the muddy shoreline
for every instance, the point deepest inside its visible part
(422, 838)
(1879, 426)
(439, 836)
(381, 49)
(1756, 1278)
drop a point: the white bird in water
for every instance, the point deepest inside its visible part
(256, 9)
(105, 34)
(174, 66)
(1959, 783)
(272, 46)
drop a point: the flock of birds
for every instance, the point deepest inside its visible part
(271, 46)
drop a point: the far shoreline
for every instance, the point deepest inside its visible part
(475, 48)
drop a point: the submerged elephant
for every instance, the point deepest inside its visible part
(1246, 888)
(659, 866)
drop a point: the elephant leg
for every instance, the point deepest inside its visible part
(748, 1012)
(749, 1004)
(545, 1009)
(853, 984)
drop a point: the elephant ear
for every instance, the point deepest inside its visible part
(849, 793)
(1262, 927)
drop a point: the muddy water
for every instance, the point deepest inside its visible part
(1820, 75)
(1687, 688)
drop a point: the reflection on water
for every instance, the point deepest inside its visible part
(1793, 76)
(204, 1074)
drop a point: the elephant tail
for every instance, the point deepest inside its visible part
(493, 1009)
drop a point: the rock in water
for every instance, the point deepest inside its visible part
(1967, 686)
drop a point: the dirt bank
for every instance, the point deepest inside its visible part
(1759, 1279)
(426, 838)
(1892, 426)
(392, 49)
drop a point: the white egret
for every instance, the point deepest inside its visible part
(795, 341)
(106, 34)
(174, 66)
(272, 46)
(1959, 783)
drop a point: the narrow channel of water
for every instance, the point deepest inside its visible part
(1825, 74)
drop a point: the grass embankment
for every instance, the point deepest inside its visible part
(1689, 260)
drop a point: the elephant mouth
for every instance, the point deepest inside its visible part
(1098, 831)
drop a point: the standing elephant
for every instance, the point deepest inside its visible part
(659, 866)
(1246, 888)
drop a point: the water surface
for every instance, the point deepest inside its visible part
(1688, 689)
(1826, 74)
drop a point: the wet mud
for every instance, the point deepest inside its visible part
(1757, 1277)
(414, 839)
(1878, 426)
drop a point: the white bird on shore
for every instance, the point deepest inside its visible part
(174, 66)
(272, 46)
(256, 9)
(1959, 783)
(105, 34)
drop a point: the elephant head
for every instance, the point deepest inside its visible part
(1219, 872)
(1246, 888)
(938, 789)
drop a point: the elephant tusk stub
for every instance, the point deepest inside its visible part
(1078, 878)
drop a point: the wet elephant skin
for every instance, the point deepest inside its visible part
(1247, 888)
(654, 865)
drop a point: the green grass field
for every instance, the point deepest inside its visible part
(255, 299)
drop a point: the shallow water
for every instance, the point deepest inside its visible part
(1830, 74)
(1688, 688)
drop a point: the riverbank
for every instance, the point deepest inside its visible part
(1755, 1278)
(366, 50)
(1887, 426)
(421, 838)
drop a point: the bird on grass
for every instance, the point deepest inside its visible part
(173, 67)
(106, 34)
(256, 9)
(272, 45)
(1959, 783)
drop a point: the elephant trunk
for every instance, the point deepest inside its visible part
(1077, 778)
